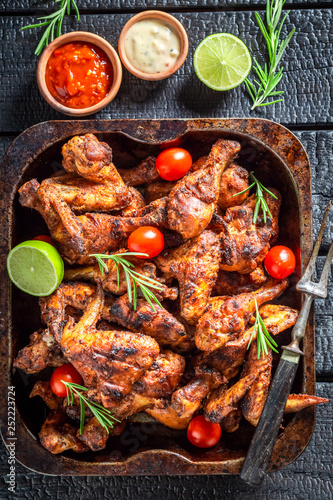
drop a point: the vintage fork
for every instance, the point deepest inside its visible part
(263, 441)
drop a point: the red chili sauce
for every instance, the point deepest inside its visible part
(79, 75)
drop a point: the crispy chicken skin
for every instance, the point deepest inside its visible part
(224, 317)
(144, 173)
(95, 436)
(297, 402)
(110, 362)
(41, 352)
(233, 283)
(234, 180)
(58, 435)
(231, 356)
(244, 245)
(195, 266)
(231, 422)
(193, 199)
(222, 401)
(254, 400)
(135, 204)
(158, 190)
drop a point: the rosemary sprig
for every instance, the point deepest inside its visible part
(261, 202)
(264, 339)
(267, 75)
(103, 415)
(53, 22)
(139, 280)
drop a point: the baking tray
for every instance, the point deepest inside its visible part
(148, 448)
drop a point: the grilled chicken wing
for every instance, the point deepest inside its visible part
(234, 180)
(79, 236)
(135, 204)
(110, 362)
(194, 265)
(231, 356)
(95, 436)
(224, 317)
(43, 389)
(58, 435)
(41, 352)
(232, 283)
(144, 173)
(244, 245)
(222, 401)
(297, 402)
(254, 400)
(193, 199)
(231, 422)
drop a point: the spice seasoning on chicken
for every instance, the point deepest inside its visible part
(152, 46)
(79, 75)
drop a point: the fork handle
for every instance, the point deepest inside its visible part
(263, 441)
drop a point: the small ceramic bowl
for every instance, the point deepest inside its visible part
(79, 36)
(161, 16)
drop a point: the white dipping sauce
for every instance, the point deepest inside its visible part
(152, 46)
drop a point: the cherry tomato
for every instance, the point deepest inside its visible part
(146, 239)
(67, 373)
(176, 143)
(44, 237)
(280, 262)
(174, 163)
(203, 433)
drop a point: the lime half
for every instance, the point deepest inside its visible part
(222, 61)
(35, 267)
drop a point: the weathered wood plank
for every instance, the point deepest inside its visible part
(308, 72)
(36, 6)
(311, 473)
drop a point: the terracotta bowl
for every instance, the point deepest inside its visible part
(162, 16)
(79, 36)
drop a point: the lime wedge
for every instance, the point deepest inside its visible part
(222, 61)
(35, 267)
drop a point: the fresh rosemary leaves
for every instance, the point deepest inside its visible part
(138, 280)
(263, 337)
(53, 23)
(261, 202)
(268, 77)
(104, 416)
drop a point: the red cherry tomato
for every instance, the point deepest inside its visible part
(280, 262)
(174, 163)
(171, 144)
(203, 433)
(45, 238)
(146, 239)
(67, 373)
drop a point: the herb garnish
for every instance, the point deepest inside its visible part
(104, 416)
(261, 202)
(268, 78)
(139, 280)
(264, 339)
(52, 21)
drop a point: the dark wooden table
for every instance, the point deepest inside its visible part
(307, 110)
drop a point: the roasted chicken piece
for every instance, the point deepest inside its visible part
(223, 401)
(144, 173)
(226, 316)
(135, 204)
(231, 422)
(79, 236)
(159, 324)
(41, 352)
(158, 190)
(110, 278)
(244, 245)
(95, 436)
(195, 266)
(297, 402)
(110, 362)
(232, 283)
(231, 356)
(58, 435)
(234, 180)
(43, 389)
(254, 400)
(91, 183)
(187, 400)
(193, 199)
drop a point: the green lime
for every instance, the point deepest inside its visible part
(35, 267)
(222, 61)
